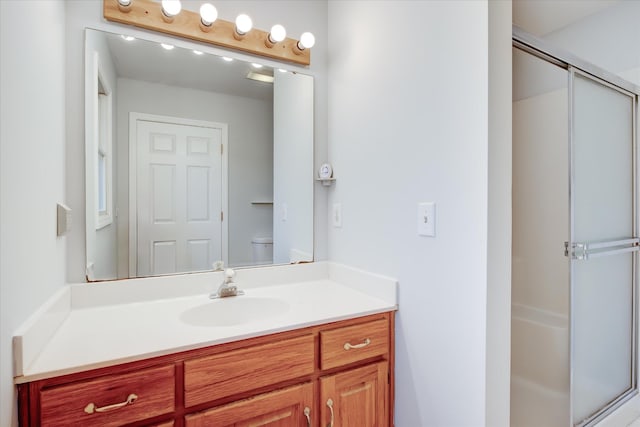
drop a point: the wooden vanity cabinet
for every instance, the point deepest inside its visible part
(340, 371)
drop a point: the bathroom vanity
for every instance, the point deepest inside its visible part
(325, 358)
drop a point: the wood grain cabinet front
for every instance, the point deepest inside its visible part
(113, 400)
(348, 344)
(355, 398)
(225, 374)
(290, 407)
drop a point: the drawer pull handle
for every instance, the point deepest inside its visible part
(91, 407)
(349, 346)
(330, 405)
(307, 413)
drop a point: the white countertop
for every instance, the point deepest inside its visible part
(93, 336)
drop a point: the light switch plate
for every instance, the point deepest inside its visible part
(336, 217)
(64, 219)
(427, 219)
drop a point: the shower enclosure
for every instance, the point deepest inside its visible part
(575, 239)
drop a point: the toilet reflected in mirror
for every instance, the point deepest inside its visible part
(262, 250)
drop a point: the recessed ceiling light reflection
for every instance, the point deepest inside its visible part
(254, 65)
(197, 52)
(127, 38)
(167, 46)
(282, 70)
(226, 58)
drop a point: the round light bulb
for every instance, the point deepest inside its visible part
(307, 40)
(278, 33)
(243, 24)
(171, 7)
(208, 14)
(167, 46)
(124, 6)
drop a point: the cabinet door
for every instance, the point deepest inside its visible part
(290, 407)
(356, 398)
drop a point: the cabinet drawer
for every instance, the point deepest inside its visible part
(71, 404)
(237, 371)
(353, 343)
(291, 406)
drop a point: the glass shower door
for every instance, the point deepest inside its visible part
(603, 245)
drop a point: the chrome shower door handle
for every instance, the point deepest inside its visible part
(587, 250)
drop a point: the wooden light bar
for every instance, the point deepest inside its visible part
(147, 14)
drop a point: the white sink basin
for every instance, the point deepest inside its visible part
(234, 311)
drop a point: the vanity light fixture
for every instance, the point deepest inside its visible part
(167, 46)
(124, 5)
(208, 15)
(276, 35)
(168, 17)
(244, 24)
(170, 8)
(259, 77)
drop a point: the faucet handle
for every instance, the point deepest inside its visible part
(228, 275)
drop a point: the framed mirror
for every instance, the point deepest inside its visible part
(193, 160)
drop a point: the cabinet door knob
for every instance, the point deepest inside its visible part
(349, 346)
(330, 405)
(92, 407)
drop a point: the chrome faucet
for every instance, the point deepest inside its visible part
(227, 288)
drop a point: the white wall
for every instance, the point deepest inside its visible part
(292, 180)
(541, 197)
(299, 16)
(408, 122)
(249, 150)
(32, 165)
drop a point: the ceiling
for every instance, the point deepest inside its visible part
(144, 60)
(541, 17)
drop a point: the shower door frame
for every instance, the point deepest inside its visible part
(541, 49)
(630, 246)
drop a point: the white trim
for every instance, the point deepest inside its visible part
(102, 220)
(133, 227)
